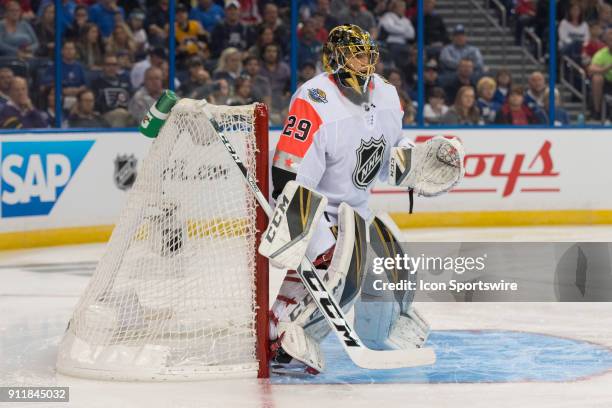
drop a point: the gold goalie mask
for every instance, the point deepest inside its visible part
(351, 54)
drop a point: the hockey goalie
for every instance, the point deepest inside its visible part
(342, 132)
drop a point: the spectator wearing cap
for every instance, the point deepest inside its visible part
(6, 78)
(75, 30)
(19, 112)
(459, 50)
(514, 111)
(435, 109)
(190, 35)
(272, 21)
(357, 14)
(83, 114)
(155, 59)
(397, 30)
(262, 91)
(104, 13)
(136, 24)
(430, 77)
(17, 37)
(156, 23)
(231, 32)
(601, 73)
(112, 90)
(147, 94)
(464, 76)
(208, 13)
(309, 48)
(486, 88)
(464, 110)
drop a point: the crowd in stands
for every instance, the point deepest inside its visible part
(115, 57)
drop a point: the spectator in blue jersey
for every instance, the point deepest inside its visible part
(73, 74)
(19, 112)
(231, 32)
(485, 89)
(208, 13)
(17, 37)
(309, 48)
(561, 115)
(103, 14)
(458, 50)
(534, 96)
(503, 80)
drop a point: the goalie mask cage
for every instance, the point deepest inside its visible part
(181, 292)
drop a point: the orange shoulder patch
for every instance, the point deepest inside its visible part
(301, 125)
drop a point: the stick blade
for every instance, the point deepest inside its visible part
(386, 359)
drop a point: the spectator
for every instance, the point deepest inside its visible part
(249, 12)
(90, 47)
(435, 34)
(261, 89)
(136, 24)
(125, 63)
(514, 111)
(148, 94)
(6, 78)
(601, 73)
(121, 40)
(534, 97)
(155, 59)
(220, 92)
(83, 114)
(271, 20)
(321, 32)
(464, 111)
(309, 48)
(67, 12)
(231, 32)
(155, 24)
(604, 12)
(573, 33)
(198, 77)
(463, 77)
(76, 29)
(112, 92)
(408, 108)
(48, 106)
(265, 37)
(561, 115)
(243, 94)
(329, 20)
(486, 103)
(19, 112)
(503, 79)
(190, 35)
(208, 13)
(307, 71)
(45, 31)
(104, 13)
(357, 14)
(525, 17)
(398, 31)
(278, 74)
(17, 38)
(230, 66)
(430, 76)
(435, 109)
(73, 74)
(394, 76)
(593, 45)
(458, 50)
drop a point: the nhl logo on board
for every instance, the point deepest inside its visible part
(317, 95)
(125, 171)
(369, 161)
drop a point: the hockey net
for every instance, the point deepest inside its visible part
(181, 292)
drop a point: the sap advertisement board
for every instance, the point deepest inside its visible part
(58, 180)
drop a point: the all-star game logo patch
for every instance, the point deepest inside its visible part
(317, 95)
(369, 160)
(125, 171)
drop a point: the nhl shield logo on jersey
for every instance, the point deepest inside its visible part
(369, 160)
(317, 95)
(125, 171)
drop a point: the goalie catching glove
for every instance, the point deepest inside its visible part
(430, 169)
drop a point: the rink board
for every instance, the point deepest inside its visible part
(59, 188)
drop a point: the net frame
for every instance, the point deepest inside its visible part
(76, 358)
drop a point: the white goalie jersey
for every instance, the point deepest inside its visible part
(336, 147)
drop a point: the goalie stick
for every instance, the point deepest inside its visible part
(354, 347)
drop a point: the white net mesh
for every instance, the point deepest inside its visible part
(174, 294)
